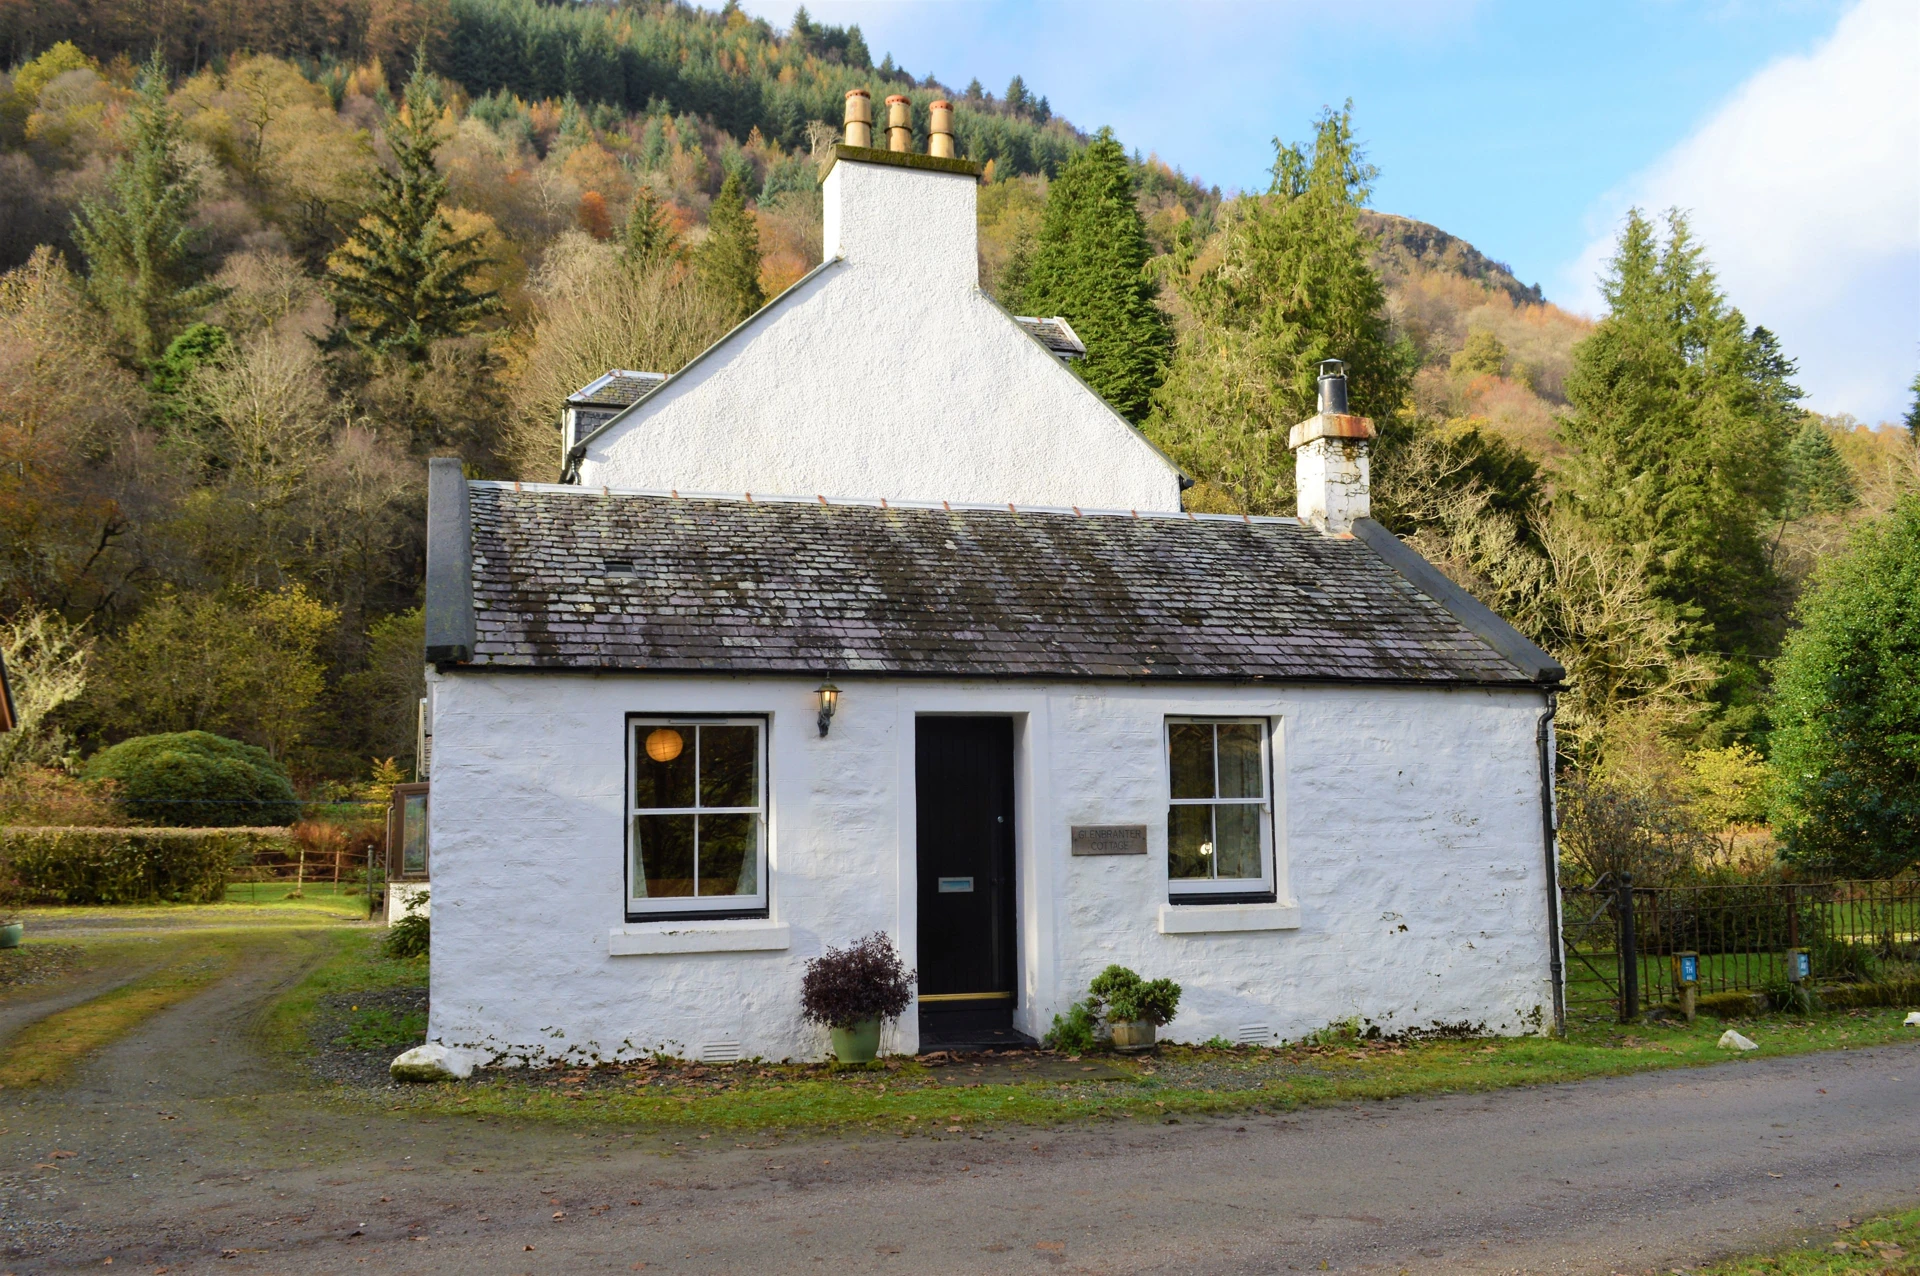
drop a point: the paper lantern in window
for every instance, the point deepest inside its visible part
(664, 744)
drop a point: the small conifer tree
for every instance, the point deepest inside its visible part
(144, 264)
(405, 278)
(729, 260)
(1090, 265)
(1818, 479)
(648, 236)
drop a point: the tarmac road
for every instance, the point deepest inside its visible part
(183, 1148)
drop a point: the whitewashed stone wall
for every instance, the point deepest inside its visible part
(890, 374)
(1410, 841)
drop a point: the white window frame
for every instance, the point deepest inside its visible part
(1232, 890)
(651, 908)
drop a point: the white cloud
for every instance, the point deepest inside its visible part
(1805, 189)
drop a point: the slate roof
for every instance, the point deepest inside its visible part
(616, 389)
(1056, 334)
(573, 578)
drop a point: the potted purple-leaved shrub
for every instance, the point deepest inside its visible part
(852, 991)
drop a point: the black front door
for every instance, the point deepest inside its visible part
(963, 770)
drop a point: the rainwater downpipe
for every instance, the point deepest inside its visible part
(1543, 736)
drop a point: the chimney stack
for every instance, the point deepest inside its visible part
(859, 118)
(1331, 477)
(899, 123)
(940, 130)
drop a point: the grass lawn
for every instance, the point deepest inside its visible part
(954, 1097)
(1882, 1245)
(348, 899)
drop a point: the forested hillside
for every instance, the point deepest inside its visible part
(262, 261)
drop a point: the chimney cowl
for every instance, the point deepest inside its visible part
(1333, 387)
(859, 127)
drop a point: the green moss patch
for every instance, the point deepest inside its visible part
(1881, 1247)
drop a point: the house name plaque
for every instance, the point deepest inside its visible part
(1109, 839)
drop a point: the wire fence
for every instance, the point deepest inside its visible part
(1622, 941)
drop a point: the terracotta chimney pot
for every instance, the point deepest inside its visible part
(859, 118)
(899, 123)
(940, 130)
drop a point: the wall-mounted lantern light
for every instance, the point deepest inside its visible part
(829, 701)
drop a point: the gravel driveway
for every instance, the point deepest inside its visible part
(182, 1147)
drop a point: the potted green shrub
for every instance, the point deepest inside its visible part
(1134, 1008)
(12, 929)
(852, 991)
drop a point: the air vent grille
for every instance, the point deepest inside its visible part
(720, 1052)
(1254, 1034)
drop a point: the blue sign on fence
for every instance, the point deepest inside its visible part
(1802, 968)
(1689, 969)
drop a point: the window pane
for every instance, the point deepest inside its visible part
(1189, 841)
(729, 854)
(663, 855)
(1236, 843)
(1240, 761)
(729, 767)
(1190, 750)
(413, 838)
(663, 767)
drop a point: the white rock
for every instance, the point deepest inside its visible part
(432, 1062)
(1913, 1019)
(1731, 1040)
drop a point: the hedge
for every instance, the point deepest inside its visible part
(130, 866)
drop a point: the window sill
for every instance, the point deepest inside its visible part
(1202, 919)
(647, 939)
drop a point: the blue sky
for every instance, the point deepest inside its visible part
(1789, 128)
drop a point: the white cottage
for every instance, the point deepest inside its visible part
(875, 618)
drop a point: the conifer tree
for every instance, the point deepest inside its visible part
(1293, 285)
(1090, 265)
(144, 266)
(405, 278)
(648, 236)
(1818, 480)
(1681, 422)
(729, 259)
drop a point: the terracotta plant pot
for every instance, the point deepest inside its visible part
(11, 934)
(1130, 1035)
(858, 1044)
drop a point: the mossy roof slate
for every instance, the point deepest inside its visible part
(575, 578)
